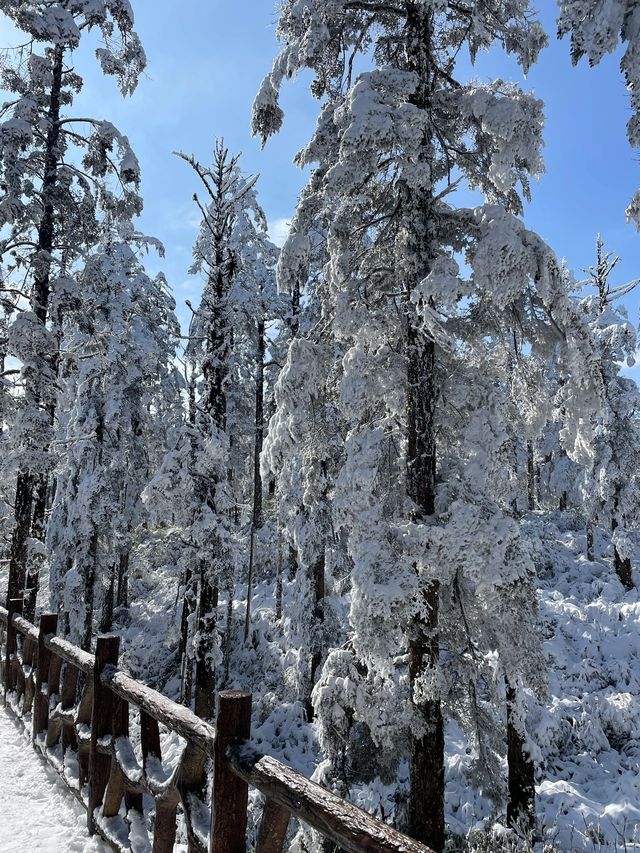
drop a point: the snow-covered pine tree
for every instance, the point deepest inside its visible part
(611, 486)
(48, 213)
(303, 449)
(118, 345)
(596, 28)
(226, 356)
(7, 413)
(435, 557)
(546, 476)
(303, 452)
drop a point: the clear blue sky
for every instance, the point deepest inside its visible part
(207, 58)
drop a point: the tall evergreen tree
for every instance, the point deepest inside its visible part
(118, 347)
(8, 388)
(610, 485)
(392, 144)
(226, 357)
(48, 209)
(304, 444)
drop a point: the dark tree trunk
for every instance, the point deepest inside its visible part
(188, 607)
(256, 516)
(252, 553)
(190, 596)
(228, 636)
(294, 321)
(91, 569)
(622, 565)
(20, 538)
(259, 428)
(292, 561)
(38, 532)
(546, 461)
(205, 683)
(89, 592)
(426, 794)
(590, 541)
(122, 596)
(531, 479)
(522, 789)
(106, 617)
(121, 570)
(426, 799)
(279, 578)
(27, 480)
(317, 644)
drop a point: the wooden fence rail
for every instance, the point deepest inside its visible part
(79, 706)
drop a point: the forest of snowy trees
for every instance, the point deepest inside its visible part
(388, 477)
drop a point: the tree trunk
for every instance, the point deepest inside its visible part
(205, 683)
(121, 573)
(622, 565)
(522, 789)
(228, 636)
(318, 581)
(90, 571)
(20, 538)
(590, 541)
(294, 319)
(89, 591)
(278, 595)
(27, 480)
(122, 596)
(183, 644)
(426, 794)
(38, 532)
(531, 480)
(190, 584)
(106, 617)
(426, 798)
(256, 516)
(252, 551)
(259, 428)
(292, 560)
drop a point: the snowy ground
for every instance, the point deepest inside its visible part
(39, 813)
(589, 734)
(588, 731)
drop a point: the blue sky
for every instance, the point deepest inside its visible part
(206, 61)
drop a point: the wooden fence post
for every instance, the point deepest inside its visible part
(107, 649)
(273, 828)
(48, 626)
(230, 793)
(14, 608)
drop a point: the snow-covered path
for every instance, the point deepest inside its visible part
(37, 810)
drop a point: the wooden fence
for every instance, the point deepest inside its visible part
(79, 707)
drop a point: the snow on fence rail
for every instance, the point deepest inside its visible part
(79, 706)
